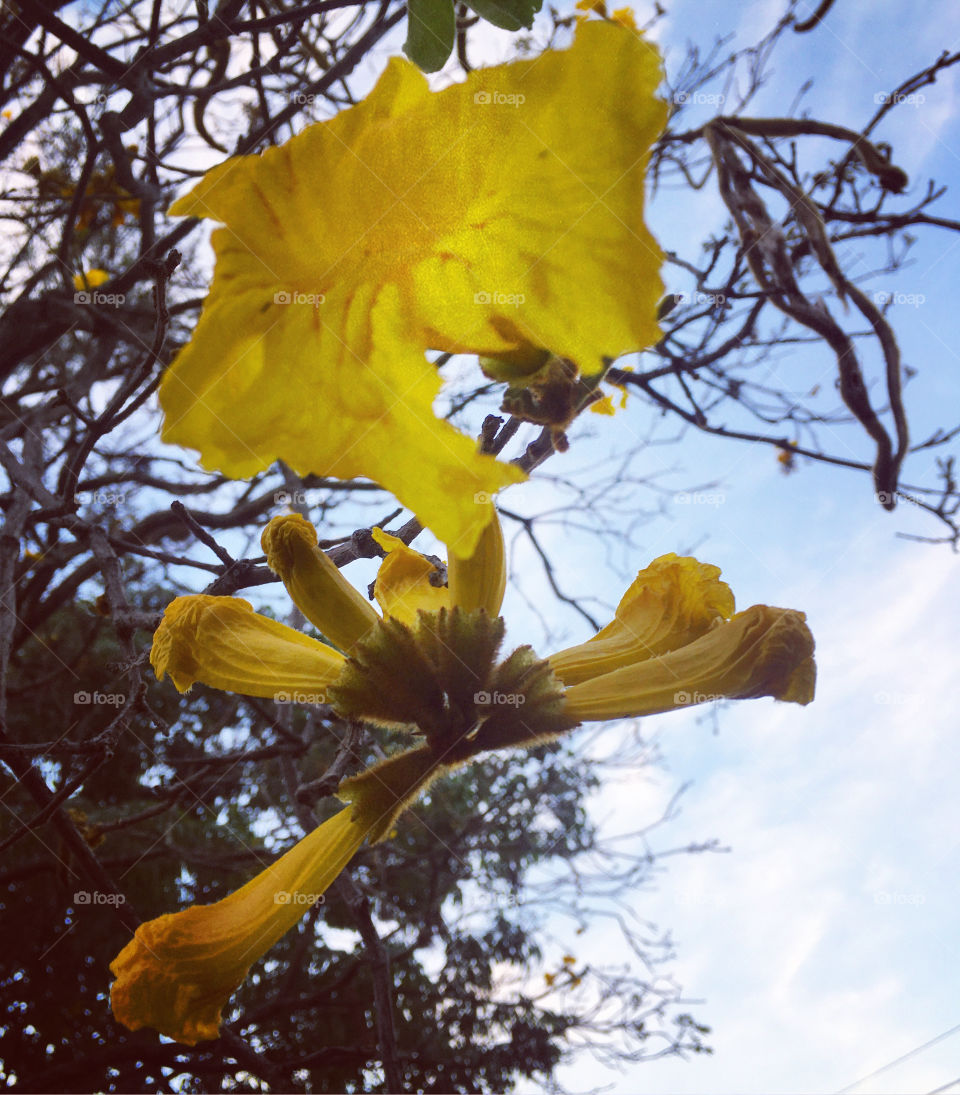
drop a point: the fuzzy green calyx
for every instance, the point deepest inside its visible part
(442, 678)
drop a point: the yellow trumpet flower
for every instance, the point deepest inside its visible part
(499, 216)
(429, 664)
(179, 970)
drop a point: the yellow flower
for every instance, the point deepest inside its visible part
(430, 665)
(223, 643)
(496, 216)
(90, 279)
(408, 582)
(314, 583)
(603, 406)
(624, 17)
(675, 641)
(179, 970)
(669, 604)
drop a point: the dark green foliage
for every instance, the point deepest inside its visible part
(431, 30)
(432, 26)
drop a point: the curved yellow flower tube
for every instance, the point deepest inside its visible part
(178, 972)
(480, 580)
(669, 604)
(315, 584)
(222, 642)
(760, 652)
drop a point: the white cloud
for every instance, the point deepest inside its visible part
(819, 942)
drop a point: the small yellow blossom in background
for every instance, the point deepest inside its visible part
(103, 192)
(429, 665)
(787, 459)
(499, 216)
(90, 279)
(603, 406)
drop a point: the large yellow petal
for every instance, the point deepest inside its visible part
(480, 579)
(498, 214)
(222, 642)
(547, 159)
(315, 584)
(247, 390)
(760, 652)
(407, 581)
(178, 972)
(673, 601)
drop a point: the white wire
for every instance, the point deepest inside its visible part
(946, 1087)
(899, 1060)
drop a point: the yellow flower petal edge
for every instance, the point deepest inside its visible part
(496, 215)
(178, 972)
(314, 582)
(222, 642)
(670, 603)
(405, 581)
(763, 651)
(479, 581)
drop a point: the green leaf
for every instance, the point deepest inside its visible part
(507, 14)
(431, 30)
